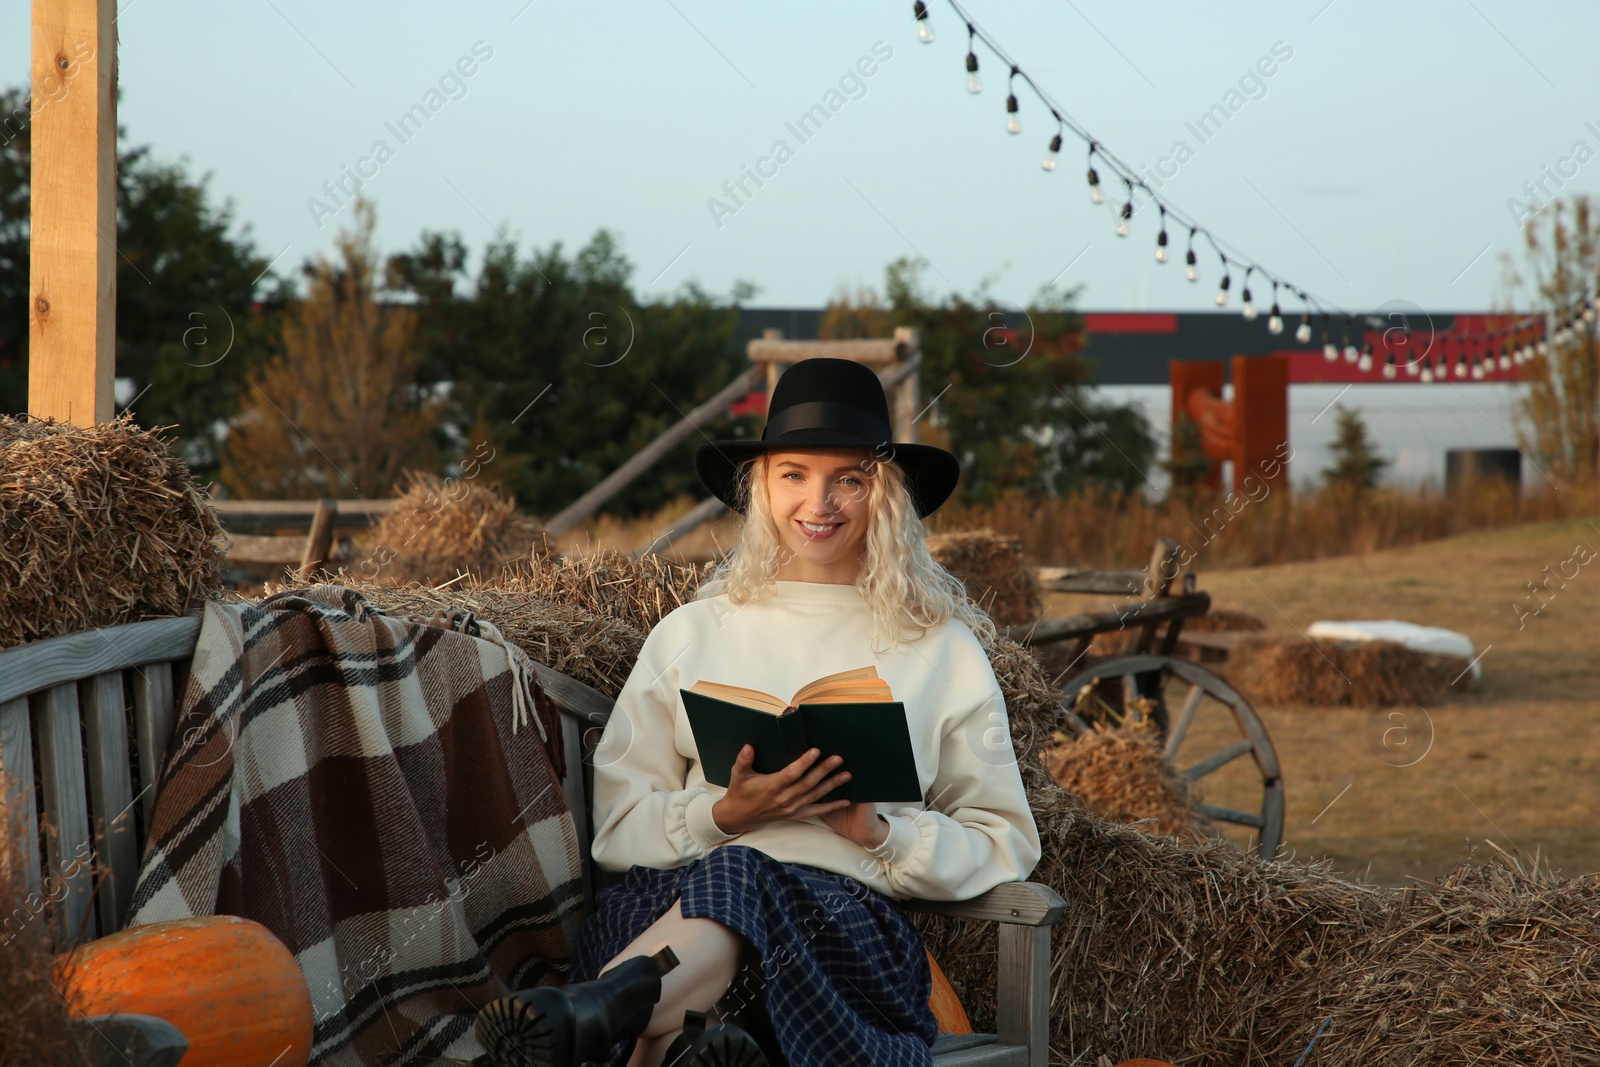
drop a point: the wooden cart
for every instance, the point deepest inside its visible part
(1146, 672)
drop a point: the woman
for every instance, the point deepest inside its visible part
(831, 571)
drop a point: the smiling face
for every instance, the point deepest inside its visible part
(819, 504)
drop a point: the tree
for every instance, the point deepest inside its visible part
(1008, 386)
(556, 364)
(187, 284)
(338, 412)
(1560, 415)
(1356, 463)
(1188, 462)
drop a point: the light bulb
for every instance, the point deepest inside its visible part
(1461, 369)
(1350, 352)
(1477, 372)
(973, 84)
(1427, 374)
(1412, 367)
(1364, 364)
(1388, 370)
(1330, 351)
(1222, 290)
(1095, 195)
(1192, 274)
(924, 27)
(1055, 146)
(1122, 221)
(1012, 125)
(1505, 361)
(1302, 332)
(1161, 247)
(1249, 308)
(1275, 321)
(1542, 347)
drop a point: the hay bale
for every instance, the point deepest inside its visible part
(1358, 674)
(1122, 774)
(99, 525)
(994, 571)
(596, 649)
(440, 529)
(1225, 620)
(638, 590)
(1494, 963)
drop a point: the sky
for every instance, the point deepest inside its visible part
(1379, 162)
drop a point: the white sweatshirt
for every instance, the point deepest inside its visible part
(652, 805)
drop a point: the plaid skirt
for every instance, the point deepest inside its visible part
(842, 971)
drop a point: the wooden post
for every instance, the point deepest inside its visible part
(905, 400)
(319, 541)
(72, 281)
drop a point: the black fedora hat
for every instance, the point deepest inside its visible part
(830, 403)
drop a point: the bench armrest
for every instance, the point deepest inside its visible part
(1013, 903)
(1026, 911)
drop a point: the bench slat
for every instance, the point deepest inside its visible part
(16, 759)
(110, 795)
(69, 849)
(153, 715)
(38, 665)
(996, 1054)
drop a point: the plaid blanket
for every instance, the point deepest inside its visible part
(382, 794)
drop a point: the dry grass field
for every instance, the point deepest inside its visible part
(1401, 792)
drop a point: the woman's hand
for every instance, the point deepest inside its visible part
(753, 799)
(861, 823)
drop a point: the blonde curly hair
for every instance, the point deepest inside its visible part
(908, 591)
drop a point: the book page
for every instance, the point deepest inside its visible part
(738, 694)
(861, 683)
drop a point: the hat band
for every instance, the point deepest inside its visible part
(826, 415)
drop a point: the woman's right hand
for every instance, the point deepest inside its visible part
(755, 799)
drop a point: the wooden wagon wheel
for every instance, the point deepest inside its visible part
(1148, 676)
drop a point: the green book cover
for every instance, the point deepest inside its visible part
(872, 736)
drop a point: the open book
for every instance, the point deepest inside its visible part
(851, 714)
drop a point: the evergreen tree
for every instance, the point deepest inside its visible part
(1188, 462)
(1356, 463)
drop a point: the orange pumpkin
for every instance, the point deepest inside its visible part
(944, 1002)
(227, 983)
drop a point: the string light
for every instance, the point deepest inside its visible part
(1249, 308)
(1055, 149)
(1350, 352)
(1413, 363)
(1389, 369)
(924, 28)
(1192, 274)
(1095, 195)
(1161, 238)
(1302, 332)
(1275, 319)
(973, 84)
(1227, 280)
(1127, 211)
(1330, 351)
(1364, 364)
(1012, 125)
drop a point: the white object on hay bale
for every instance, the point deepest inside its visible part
(1431, 639)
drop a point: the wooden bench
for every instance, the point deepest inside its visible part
(89, 717)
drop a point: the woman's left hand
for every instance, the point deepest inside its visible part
(860, 822)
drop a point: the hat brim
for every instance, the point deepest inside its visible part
(931, 472)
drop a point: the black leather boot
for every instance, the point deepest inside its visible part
(721, 1046)
(550, 1026)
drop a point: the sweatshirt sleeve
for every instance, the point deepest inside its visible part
(978, 829)
(643, 813)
